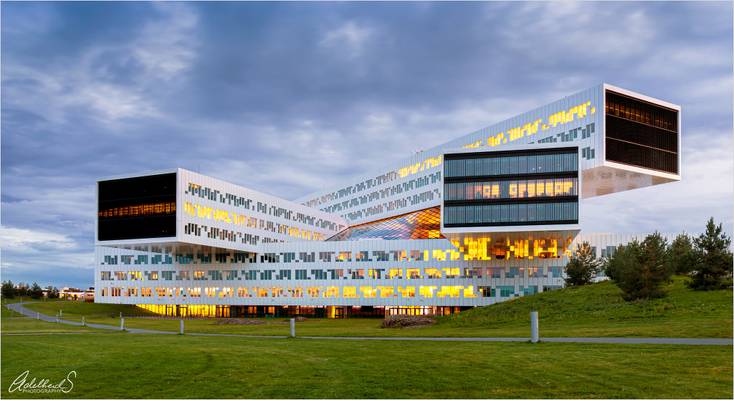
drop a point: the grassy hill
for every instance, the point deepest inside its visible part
(590, 311)
(599, 310)
(75, 309)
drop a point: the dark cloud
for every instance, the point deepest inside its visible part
(289, 98)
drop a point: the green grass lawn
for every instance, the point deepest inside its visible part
(12, 322)
(160, 366)
(595, 310)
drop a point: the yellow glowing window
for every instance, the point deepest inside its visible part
(450, 291)
(522, 189)
(408, 291)
(331, 291)
(439, 255)
(426, 291)
(368, 292)
(350, 292)
(386, 291)
(433, 273)
(451, 272)
(395, 273)
(469, 292)
(413, 273)
(513, 191)
(313, 292)
(548, 187)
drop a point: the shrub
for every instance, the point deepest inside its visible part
(713, 259)
(406, 321)
(583, 266)
(680, 256)
(640, 268)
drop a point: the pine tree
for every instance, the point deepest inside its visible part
(8, 290)
(680, 255)
(713, 258)
(640, 268)
(583, 266)
(36, 292)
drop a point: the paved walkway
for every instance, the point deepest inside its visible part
(18, 307)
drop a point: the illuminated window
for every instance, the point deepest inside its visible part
(408, 291)
(426, 291)
(368, 292)
(386, 291)
(395, 273)
(433, 273)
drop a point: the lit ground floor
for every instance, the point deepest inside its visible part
(239, 311)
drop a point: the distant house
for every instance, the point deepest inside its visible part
(69, 293)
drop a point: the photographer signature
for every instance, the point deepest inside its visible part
(21, 384)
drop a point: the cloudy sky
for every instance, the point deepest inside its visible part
(289, 98)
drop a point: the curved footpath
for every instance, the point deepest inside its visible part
(18, 307)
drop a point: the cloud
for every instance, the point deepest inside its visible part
(349, 37)
(17, 238)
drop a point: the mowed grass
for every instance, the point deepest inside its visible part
(599, 310)
(162, 366)
(16, 323)
(593, 311)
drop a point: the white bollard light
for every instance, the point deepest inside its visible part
(122, 324)
(293, 327)
(38, 315)
(84, 323)
(534, 335)
(181, 328)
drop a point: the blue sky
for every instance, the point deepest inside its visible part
(288, 98)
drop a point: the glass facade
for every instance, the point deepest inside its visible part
(512, 214)
(511, 189)
(505, 163)
(641, 134)
(424, 224)
(523, 187)
(137, 208)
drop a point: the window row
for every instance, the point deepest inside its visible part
(497, 214)
(508, 165)
(515, 189)
(335, 274)
(324, 292)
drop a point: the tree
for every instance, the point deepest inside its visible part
(52, 292)
(35, 291)
(713, 259)
(640, 268)
(21, 289)
(8, 290)
(681, 259)
(583, 266)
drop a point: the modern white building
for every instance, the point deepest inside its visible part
(483, 218)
